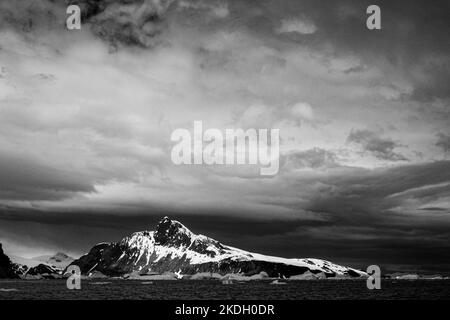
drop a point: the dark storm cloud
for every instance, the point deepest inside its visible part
(424, 248)
(382, 148)
(443, 142)
(312, 158)
(413, 40)
(435, 209)
(360, 227)
(372, 196)
(82, 229)
(135, 22)
(29, 16)
(27, 179)
(221, 226)
(434, 84)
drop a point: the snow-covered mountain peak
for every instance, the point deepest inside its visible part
(59, 260)
(172, 233)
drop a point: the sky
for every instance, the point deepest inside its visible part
(86, 118)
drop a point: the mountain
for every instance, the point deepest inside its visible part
(42, 271)
(25, 262)
(7, 268)
(20, 269)
(47, 266)
(59, 260)
(174, 248)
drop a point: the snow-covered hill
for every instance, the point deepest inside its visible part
(174, 248)
(59, 260)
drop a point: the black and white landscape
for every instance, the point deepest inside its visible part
(172, 251)
(117, 150)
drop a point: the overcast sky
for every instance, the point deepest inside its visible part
(364, 118)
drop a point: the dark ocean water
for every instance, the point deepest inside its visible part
(205, 289)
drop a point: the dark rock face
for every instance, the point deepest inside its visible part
(20, 269)
(171, 233)
(203, 246)
(7, 269)
(104, 258)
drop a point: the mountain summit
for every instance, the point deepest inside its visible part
(172, 247)
(172, 233)
(59, 260)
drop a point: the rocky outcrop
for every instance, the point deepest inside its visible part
(7, 269)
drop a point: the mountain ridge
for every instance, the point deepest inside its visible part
(172, 247)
